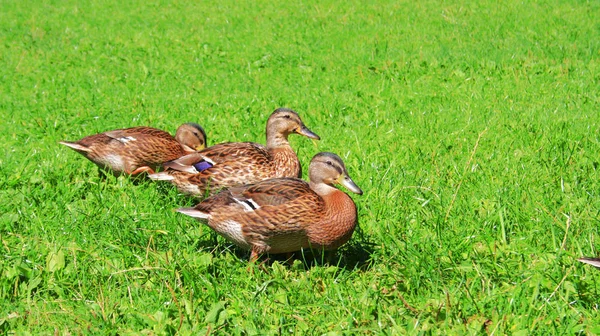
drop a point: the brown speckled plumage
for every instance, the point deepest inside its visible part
(137, 149)
(236, 163)
(285, 214)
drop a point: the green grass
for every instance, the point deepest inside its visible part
(472, 127)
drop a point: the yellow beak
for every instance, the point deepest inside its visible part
(347, 182)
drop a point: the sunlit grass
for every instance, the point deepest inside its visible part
(473, 129)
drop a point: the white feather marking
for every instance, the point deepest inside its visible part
(126, 139)
(244, 204)
(254, 204)
(192, 212)
(162, 176)
(248, 204)
(208, 160)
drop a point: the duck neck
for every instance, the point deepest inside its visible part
(339, 221)
(276, 139)
(285, 159)
(286, 162)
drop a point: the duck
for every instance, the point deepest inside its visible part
(284, 215)
(131, 151)
(236, 163)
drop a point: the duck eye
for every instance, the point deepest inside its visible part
(329, 163)
(287, 116)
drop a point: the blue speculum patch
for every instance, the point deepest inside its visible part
(202, 165)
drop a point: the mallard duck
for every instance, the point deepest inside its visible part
(285, 214)
(235, 163)
(139, 149)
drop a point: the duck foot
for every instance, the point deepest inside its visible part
(254, 255)
(141, 170)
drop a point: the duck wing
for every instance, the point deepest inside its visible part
(132, 134)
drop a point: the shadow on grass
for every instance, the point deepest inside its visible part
(352, 256)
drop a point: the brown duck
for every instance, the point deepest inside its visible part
(139, 149)
(285, 214)
(236, 163)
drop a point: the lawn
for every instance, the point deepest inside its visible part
(473, 129)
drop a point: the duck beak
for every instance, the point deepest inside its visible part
(199, 148)
(347, 182)
(308, 133)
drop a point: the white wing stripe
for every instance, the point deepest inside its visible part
(248, 204)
